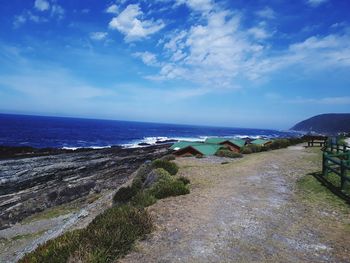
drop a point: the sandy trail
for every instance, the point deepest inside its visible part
(244, 211)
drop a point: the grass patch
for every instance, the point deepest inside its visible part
(63, 209)
(28, 236)
(315, 192)
(51, 213)
(108, 237)
(112, 234)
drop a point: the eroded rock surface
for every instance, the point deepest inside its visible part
(30, 185)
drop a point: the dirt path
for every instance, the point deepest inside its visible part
(248, 210)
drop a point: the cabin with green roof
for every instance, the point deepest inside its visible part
(234, 145)
(182, 144)
(202, 149)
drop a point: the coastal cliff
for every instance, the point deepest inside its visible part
(325, 123)
(30, 185)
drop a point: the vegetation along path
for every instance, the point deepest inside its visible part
(261, 208)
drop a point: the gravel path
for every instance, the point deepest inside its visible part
(245, 211)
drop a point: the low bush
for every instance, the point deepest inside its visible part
(255, 148)
(108, 237)
(164, 189)
(278, 144)
(170, 167)
(184, 179)
(246, 150)
(168, 157)
(137, 183)
(143, 171)
(143, 199)
(167, 185)
(124, 194)
(228, 153)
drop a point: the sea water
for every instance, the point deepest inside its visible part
(59, 132)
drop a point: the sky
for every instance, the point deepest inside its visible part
(238, 63)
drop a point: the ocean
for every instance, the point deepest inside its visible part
(72, 133)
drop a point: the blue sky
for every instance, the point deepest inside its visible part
(241, 63)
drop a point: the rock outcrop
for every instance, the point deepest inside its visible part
(30, 185)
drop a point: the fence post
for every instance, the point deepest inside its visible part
(342, 174)
(324, 164)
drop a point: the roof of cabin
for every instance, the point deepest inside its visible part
(239, 142)
(182, 144)
(216, 140)
(207, 149)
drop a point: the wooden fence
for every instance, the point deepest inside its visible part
(336, 159)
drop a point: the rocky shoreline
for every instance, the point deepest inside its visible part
(32, 180)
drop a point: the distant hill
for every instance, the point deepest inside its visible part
(325, 123)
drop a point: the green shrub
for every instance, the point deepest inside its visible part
(168, 157)
(184, 179)
(137, 183)
(124, 194)
(164, 189)
(167, 185)
(255, 148)
(143, 199)
(166, 165)
(246, 150)
(228, 153)
(278, 144)
(143, 171)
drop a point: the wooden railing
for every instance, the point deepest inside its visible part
(315, 141)
(336, 159)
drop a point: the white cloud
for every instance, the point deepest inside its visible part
(19, 20)
(212, 54)
(98, 36)
(315, 3)
(58, 11)
(27, 16)
(217, 51)
(147, 57)
(42, 5)
(129, 22)
(197, 5)
(258, 32)
(267, 13)
(113, 9)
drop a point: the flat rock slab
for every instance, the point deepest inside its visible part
(244, 211)
(31, 185)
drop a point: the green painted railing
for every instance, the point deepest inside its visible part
(336, 159)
